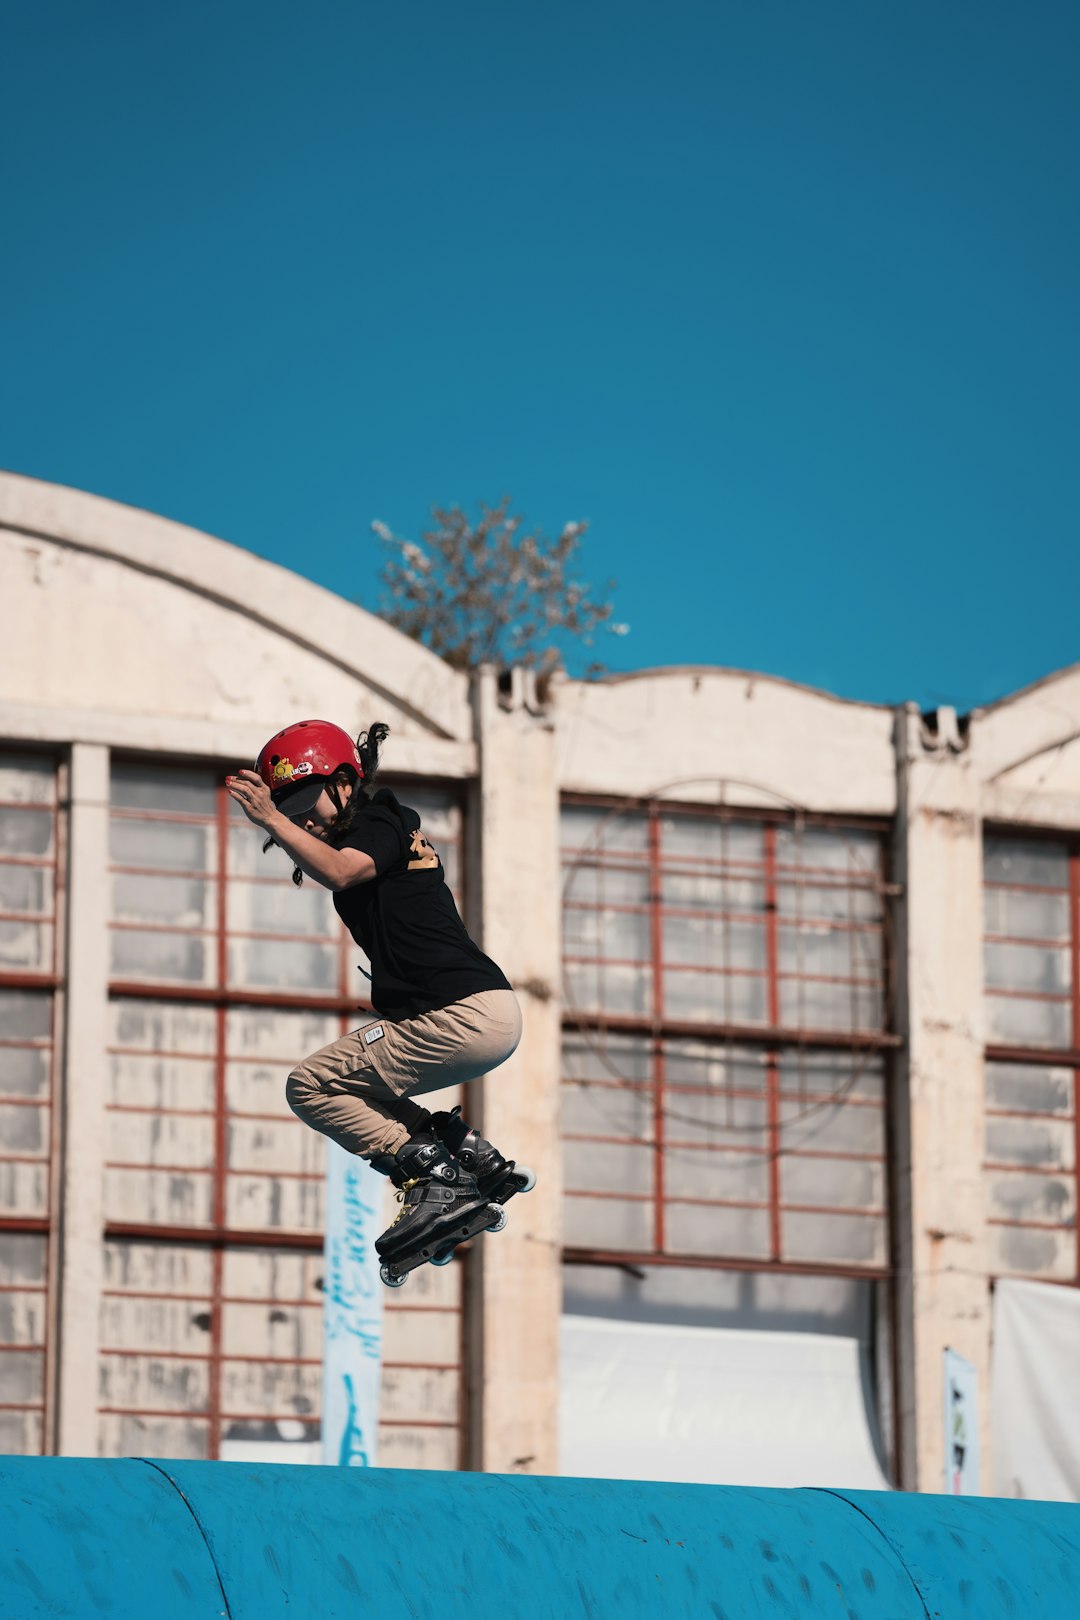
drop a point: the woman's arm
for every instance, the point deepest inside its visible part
(335, 869)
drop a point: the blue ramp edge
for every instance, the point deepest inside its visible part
(177, 1539)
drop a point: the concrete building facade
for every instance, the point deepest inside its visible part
(800, 977)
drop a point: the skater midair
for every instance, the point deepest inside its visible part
(446, 1012)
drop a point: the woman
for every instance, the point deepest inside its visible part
(446, 1012)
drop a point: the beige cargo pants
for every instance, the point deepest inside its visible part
(358, 1089)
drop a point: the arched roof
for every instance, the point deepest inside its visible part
(303, 613)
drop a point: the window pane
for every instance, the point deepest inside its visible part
(731, 1177)
(281, 908)
(833, 1075)
(1025, 861)
(183, 902)
(27, 779)
(186, 958)
(1017, 1197)
(715, 1119)
(294, 965)
(607, 1167)
(588, 827)
(1029, 1088)
(176, 846)
(700, 1063)
(1018, 1022)
(1027, 967)
(1026, 1252)
(845, 1239)
(830, 952)
(711, 838)
(26, 888)
(27, 833)
(608, 1223)
(1024, 915)
(840, 849)
(832, 1183)
(1036, 1143)
(840, 902)
(26, 946)
(606, 934)
(714, 998)
(164, 788)
(589, 885)
(602, 987)
(606, 1110)
(843, 1127)
(714, 942)
(603, 1055)
(715, 1229)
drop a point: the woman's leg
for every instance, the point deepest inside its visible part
(339, 1092)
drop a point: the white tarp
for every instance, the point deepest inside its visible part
(723, 1406)
(1035, 1391)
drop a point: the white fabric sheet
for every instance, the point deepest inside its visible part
(1035, 1391)
(713, 1406)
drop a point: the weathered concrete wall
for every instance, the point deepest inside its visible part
(250, 637)
(1027, 754)
(938, 1102)
(680, 732)
(184, 1541)
(517, 1277)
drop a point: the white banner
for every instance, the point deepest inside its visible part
(352, 1311)
(961, 1413)
(718, 1406)
(1035, 1391)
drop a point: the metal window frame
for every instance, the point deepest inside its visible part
(770, 1039)
(48, 981)
(1043, 1056)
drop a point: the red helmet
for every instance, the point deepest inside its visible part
(299, 762)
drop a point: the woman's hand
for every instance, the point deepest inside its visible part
(253, 796)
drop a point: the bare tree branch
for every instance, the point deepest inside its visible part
(492, 592)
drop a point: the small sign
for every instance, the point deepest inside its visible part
(961, 1426)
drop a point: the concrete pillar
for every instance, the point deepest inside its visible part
(940, 1216)
(515, 1280)
(83, 1131)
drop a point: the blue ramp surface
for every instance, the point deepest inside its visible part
(193, 1540)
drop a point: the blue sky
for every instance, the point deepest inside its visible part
(781, 298)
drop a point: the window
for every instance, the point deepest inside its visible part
(712, 920)
(1032, 984)
(28, 975)
(224, 975)
(725, 999)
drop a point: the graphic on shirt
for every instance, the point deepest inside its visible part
(424, 857)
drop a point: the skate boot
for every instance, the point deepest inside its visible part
(441, 1206)
(497, 1178)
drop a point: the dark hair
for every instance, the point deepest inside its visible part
(368, 745)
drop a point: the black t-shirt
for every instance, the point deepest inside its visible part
(406, 920)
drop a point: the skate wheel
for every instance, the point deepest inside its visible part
(392, 1279)
(500, 1221)
(443, 1258)
(525, 1177)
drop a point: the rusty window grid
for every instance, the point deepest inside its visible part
(1030, 1067)
(772, 873)
(216, 1367)
(216, 1236)
(26, 1223)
